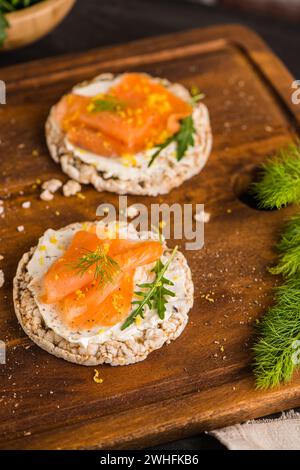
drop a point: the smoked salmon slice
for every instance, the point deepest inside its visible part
(86, 304)
(83, 300)
(62, 278)
(114, 309)
(146, 116)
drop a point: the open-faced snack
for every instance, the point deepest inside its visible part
(94, 294)
(129, 134)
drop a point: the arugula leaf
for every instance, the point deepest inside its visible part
(160, 301)
(155, 294)
(183, 138)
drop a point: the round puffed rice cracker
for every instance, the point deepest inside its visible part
(171, 175)
(113, 352)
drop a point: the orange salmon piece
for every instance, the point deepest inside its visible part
(62, 279)
(148, 115)
(112, 310)
(95, 141)
(88, 303)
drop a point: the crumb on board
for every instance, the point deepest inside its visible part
(2, 280)
(52, 185)
(71, 188)
(2, 210)
(26, 205)
(20, 228)
(202, 217)
(46, 195)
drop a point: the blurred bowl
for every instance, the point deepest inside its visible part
(32, 23)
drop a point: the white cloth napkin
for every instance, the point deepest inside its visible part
(263, 434)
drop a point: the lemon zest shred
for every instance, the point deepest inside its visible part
(96, 377)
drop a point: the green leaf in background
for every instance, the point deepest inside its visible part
(3, 26)
(8, 6)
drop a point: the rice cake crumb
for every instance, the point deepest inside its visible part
(52, 185)
(202, 217)
(71, 188)
(46, 195)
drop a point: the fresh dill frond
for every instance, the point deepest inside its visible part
(289, 249)
(279, 329)
(291, 235)
(104, 266)
(183, 138)
(153, 294)
(288, 264)
(279, 184)
(107, 103)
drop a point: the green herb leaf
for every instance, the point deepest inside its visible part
(280, 327)
(154, 294)
(108, 103)
(280, 180)
(183, 138)
(8, 6)
(196, 94)
(3, 26)
(105, 266)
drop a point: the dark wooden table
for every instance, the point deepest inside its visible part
(95, 23)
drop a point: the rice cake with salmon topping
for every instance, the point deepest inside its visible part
(54, 308)
(106, 132)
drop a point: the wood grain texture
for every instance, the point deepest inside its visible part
(189, 385)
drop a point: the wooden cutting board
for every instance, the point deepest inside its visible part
(203, 380)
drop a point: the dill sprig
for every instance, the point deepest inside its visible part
(280, 327)
(154, 293)
(105, 266)
(183, 138)
(289, 250)
(279, 184)
(107, 103)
